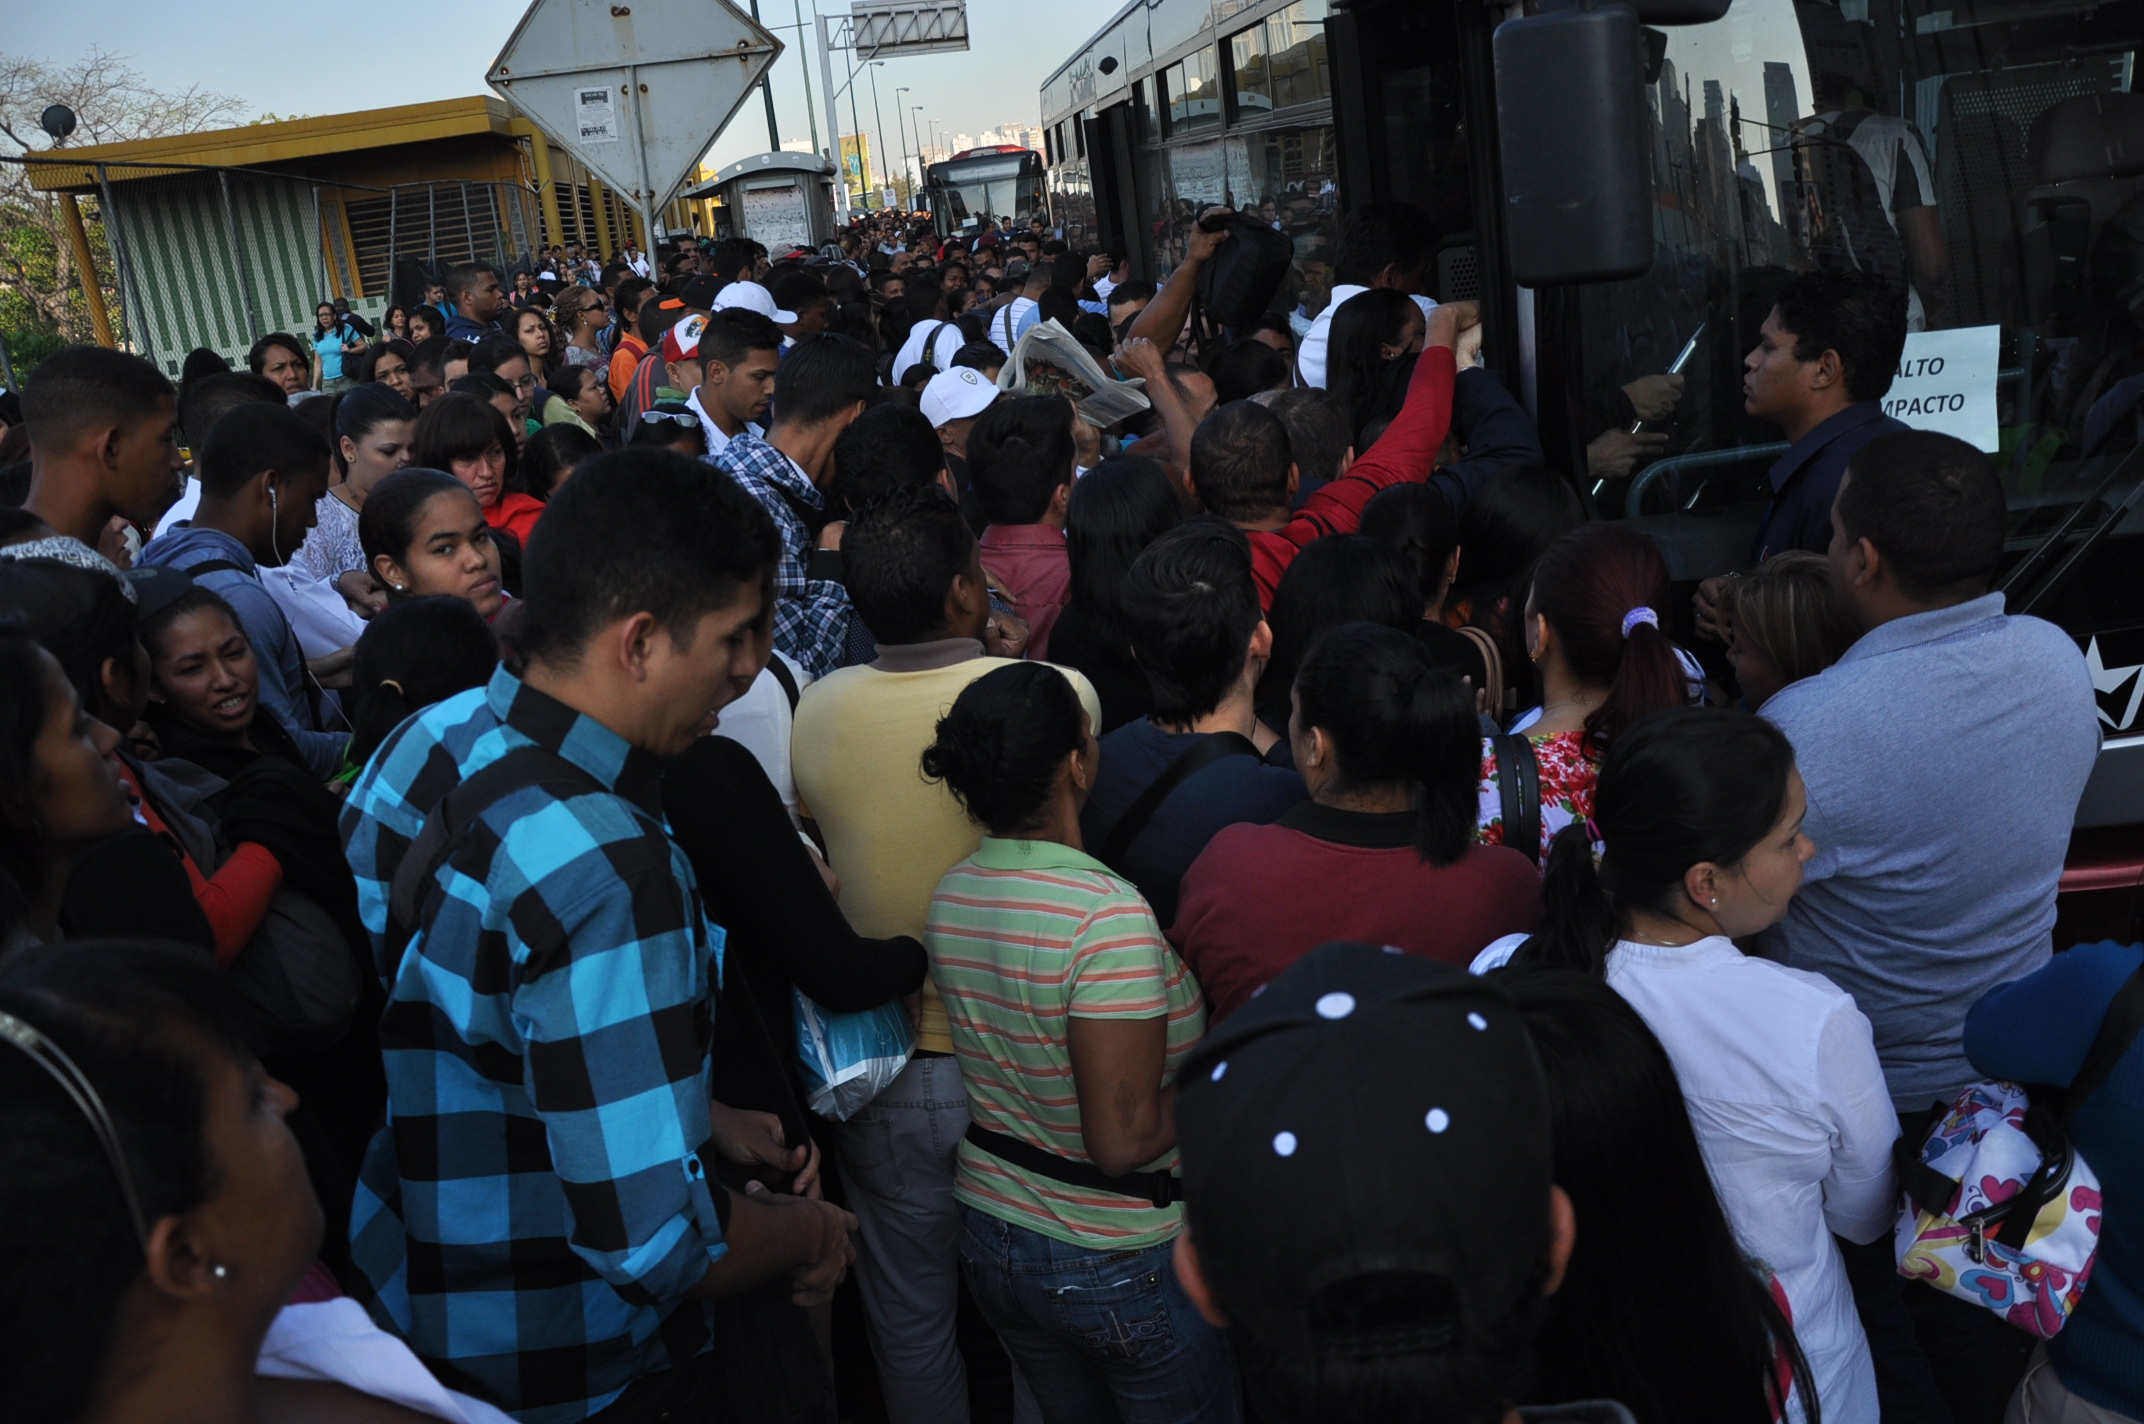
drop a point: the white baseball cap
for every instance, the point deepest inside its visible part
(956, 395)
(753, 297)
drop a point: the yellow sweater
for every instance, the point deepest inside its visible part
(891, 835)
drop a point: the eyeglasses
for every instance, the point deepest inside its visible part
(681, 417)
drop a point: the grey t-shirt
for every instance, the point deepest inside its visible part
(1944, 756)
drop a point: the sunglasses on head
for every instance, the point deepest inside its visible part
(682, 417)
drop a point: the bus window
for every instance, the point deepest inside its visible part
(1982, 160)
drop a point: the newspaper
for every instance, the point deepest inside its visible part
(1048, 360)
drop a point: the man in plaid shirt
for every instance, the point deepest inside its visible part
(538, 1218)
(825, 382)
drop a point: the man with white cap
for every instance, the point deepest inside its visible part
(952, 402)
(752, 297)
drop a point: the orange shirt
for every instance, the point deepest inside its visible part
(518, 512)
(623, 362)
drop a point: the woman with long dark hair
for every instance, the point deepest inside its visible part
(1698, 814)
(1116, 510)
(1625, 1152)
(1592, 630)
(424, 534)
(1342, 578)
(1506, 527)
(1383, 851)
(1376, 335)
(373, 430)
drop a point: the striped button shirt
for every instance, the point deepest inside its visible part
(811, 616)
(1023, 936)
(538, 1204)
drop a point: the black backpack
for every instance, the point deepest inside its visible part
(1238, 283)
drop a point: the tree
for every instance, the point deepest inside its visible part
(41, 301)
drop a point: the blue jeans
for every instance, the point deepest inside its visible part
(1099, 1336)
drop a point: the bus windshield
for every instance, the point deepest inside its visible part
(1989, 157)
(969, 192)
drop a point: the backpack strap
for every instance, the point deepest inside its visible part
(786, 678)
(1201, 754)
(2118, 1030)
(1518, 784)
(217, 566)
(414, 896)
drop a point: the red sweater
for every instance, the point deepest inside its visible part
(1259, 898)
(1406, 451)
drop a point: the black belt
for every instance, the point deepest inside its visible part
(1160, 1188)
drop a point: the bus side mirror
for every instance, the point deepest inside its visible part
(1577, 165)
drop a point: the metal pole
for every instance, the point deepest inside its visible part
(897, 103)
(127, 280)
(878, 115)
(431, 223)
(469, 223)
(394, 211)
(766, 91)
(863, 152)
(100, 320)
(833, 117)
(320, 232)
(644, 194)
(7, 366)
(811, 112)
(238, 251)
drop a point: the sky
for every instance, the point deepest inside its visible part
(300, 58)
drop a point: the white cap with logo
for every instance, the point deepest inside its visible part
(956, 395)
(753, 297)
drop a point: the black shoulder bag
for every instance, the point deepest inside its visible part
(1200, 755)
(1518, 784)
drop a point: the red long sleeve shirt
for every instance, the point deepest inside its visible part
(236, 897)
(1406, 451)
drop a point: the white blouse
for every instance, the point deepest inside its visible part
(1785, 1092)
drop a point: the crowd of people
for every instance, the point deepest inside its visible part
(558, 849)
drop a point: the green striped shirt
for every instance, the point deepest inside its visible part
(1024, 935)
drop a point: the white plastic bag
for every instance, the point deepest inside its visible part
(848, 1059)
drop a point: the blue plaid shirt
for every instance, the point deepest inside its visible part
(811, 616)
(536, 1208)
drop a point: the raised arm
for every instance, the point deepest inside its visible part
(1163, 320)
(1142, 358)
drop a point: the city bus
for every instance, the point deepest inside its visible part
(978, 186)
(1990, 153)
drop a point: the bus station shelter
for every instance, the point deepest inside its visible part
(222, 236)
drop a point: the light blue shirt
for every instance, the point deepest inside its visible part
(1944, 756)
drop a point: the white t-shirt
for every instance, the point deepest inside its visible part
(1009, 323)
(760, 721)
(717, 440)
(1310, 353)
(1780, 1074)
(945, 344)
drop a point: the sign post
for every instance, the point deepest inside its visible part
(637, 92)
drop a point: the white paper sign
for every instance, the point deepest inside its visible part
(1946, 383)
(777, 217)
(596, 115)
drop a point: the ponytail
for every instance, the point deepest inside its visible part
(1676, 789)
(418, 652)
(1601, 587)
(1579, 922)
(1395, 719)
(1648, 678)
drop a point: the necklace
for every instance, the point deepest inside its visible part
(345, 499)
(1589, 701)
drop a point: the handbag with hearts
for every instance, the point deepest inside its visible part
(1999, 1210)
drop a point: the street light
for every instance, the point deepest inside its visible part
(897, 123)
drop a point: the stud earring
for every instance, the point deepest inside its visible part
(221, 1273)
